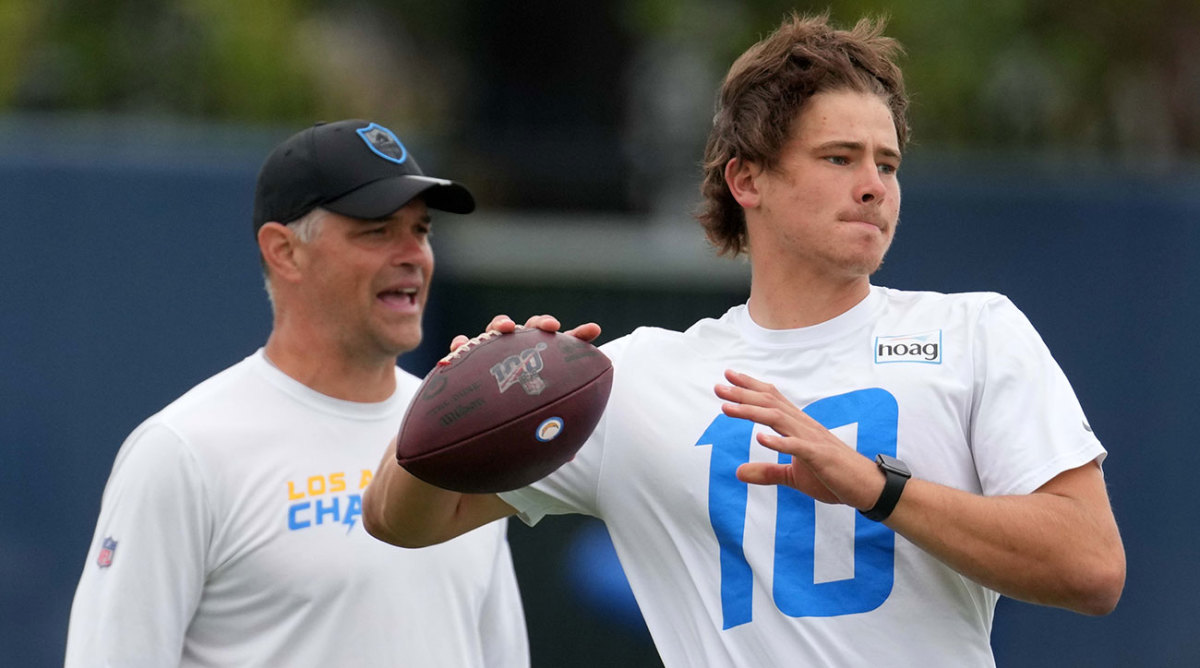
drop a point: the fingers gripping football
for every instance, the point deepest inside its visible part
(547, 323)
(500, 323)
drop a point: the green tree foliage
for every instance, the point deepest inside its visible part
(204, 58)
(1103, 76)
(1106, 76)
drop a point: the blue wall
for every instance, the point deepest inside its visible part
(130, 275)
(1107, 267)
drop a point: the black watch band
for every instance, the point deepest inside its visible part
(896, 475)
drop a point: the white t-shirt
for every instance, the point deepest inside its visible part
(230, 534)
(960, 387)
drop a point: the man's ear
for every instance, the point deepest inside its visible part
(279, 247)
(741, 176)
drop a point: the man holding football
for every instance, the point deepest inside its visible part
(834, 473)
(230, 530)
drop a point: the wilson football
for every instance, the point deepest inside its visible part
(504, 410)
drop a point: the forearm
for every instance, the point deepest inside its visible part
(402, 510)
(1058, 546)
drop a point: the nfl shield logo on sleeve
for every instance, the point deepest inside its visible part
(107, 550)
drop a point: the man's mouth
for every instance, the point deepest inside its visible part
(400, 298)
(866, 221)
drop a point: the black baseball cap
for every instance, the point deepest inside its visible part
(354, 167)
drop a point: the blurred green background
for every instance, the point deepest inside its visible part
(1102, 78)
(1055, 157)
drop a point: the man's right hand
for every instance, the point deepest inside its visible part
(505, 325)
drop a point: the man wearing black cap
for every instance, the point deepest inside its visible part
(229, 531)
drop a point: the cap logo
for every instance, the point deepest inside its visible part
(384, 143)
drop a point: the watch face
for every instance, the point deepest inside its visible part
(892, 464)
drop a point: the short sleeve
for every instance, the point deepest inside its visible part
(145, 569)
(1027, 425)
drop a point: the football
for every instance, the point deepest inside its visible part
(504, 410)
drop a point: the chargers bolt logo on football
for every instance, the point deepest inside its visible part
(523, 369)
(549, 429)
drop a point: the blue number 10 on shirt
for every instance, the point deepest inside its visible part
(795, 589)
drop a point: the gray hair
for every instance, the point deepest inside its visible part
(306, 228)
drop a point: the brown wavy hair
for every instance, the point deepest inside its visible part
(766, 89)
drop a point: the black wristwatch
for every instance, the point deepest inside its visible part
(897, 474)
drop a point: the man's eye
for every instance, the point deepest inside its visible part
(838, 159)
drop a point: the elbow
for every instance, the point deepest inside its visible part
(390, 537)
(1106, 591)
(1100, 588)
(375, 523)
(380, 530)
